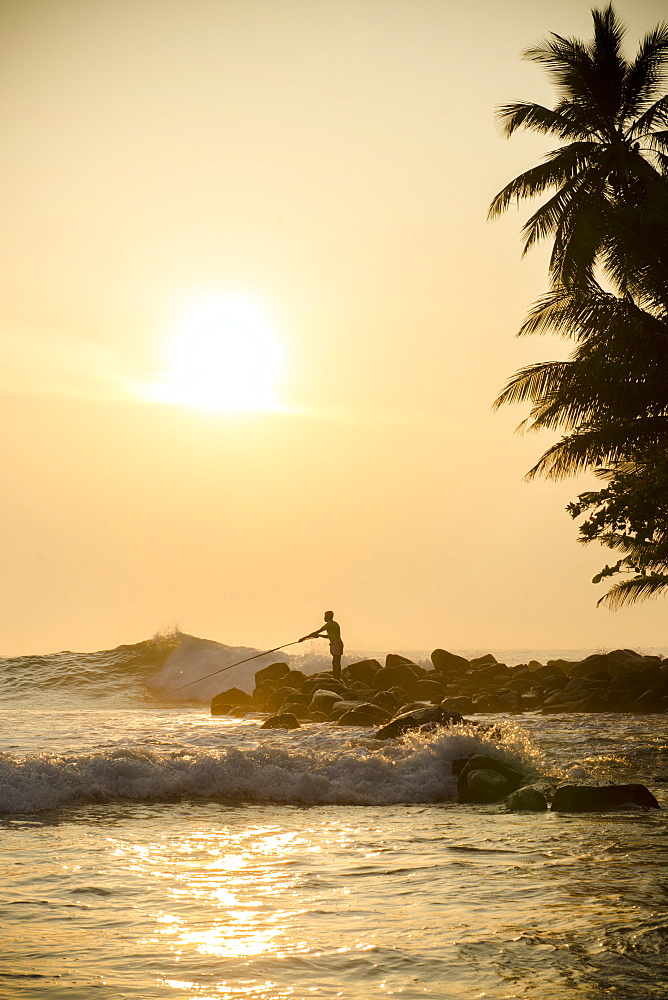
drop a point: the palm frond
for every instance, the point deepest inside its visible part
(631, 591)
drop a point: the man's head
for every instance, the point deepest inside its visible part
(329, 615)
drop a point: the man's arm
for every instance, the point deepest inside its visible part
(313, 635)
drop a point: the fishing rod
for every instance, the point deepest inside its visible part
(230, 665)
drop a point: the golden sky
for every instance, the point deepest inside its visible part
(320, 171)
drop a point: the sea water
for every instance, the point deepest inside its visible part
(150, 850)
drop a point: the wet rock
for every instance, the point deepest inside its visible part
(397, 675)
(480, 661)
(296, 709)
(459, 704)
(285, 720)
(294, 678)
(428, 690)
(396, 660)
(434, 715)
(599, 796)
(365, 714)
(323, 700)
(386, 700)
(340, 708)
(233, 696)
(281, 694)
(484, 785)
(362, 670)
(527, 799)
(274, 672)
(445, 662)
(471, 789)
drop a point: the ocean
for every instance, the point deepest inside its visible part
(150, 850)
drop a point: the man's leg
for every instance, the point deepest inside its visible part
(336, 666)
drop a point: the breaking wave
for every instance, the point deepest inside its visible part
(258, 766)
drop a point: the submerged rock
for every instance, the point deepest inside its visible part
(286, 720)
(596, 797)
(433, 715)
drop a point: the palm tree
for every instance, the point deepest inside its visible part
(611, 394)
(612, 123)
(630, 516)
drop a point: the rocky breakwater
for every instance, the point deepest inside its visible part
(619, 681)
(371, 693)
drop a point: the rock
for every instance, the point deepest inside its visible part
(595, 797)
(222, 708)
(286, 720)
(527, 799)
(294, 678)
(386, 700)
(362, 670)
(484, 785)
(434, 715)
(459, 704)
(365, 714)
(398, 675)
(275, 700)
(323, 700)
(274, 672)
(395, 660)
(427, 690)
(444, 661)
(295, 708)
(512, 779)
(480, 661)
(233, 696)
(340, 708)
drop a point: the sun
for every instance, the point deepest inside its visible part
(224, 356)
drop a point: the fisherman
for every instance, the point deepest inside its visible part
(332, 630)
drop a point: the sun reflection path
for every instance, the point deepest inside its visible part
(227, 900)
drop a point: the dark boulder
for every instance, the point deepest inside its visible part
(323, 700)
(294, 678)
(527, 799)
(285, 720)
(481, 661)
(428, 690)
(445, 662)
(280, 695)
(274, 672)
(458, 703)
(396, 659)
(398, 675)
(596, 797)
(233, 696)
(365, 714)
(434, 715)
(362, 670)
(470, 789)
(485, 785)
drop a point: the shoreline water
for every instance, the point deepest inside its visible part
(153, 851)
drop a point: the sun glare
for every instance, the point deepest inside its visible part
(224, 356)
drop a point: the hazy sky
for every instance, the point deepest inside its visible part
(324, 168)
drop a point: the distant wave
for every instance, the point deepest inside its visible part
(151, 670)
(109, 672)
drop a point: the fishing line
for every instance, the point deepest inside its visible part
(230, 665)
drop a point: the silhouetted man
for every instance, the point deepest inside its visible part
(332, 630)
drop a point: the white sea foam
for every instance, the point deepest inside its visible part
(267, 766)
(194, 659)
